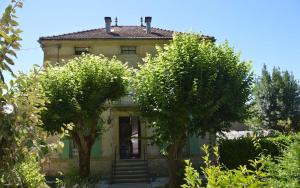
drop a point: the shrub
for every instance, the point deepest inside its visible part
(284, 172)
(266, 171)
(236, 152)
(275, 145)
(72, 179)
(29, 173)
(218, 177)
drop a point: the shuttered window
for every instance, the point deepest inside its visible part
(96, 148)
(66, 149)
(194, 145)
(128, 50)
(70, 151)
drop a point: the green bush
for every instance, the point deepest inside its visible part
(72, 179)
(26, 173)
(236, 152)
(29, 174)
(266, 171)
(284, 172)
(217, 177)
(275, 145)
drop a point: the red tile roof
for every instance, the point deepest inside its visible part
(117, 32)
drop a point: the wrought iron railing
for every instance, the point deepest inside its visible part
(114, 162)
(146, 161)
(144, 152)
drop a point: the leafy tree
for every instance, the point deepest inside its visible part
(20, 105)
(20, 132)
(78, 92)
(277, 100)
(191, 86)
(9, 37)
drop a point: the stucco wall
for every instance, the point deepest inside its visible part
(110, 139)
(55, 51)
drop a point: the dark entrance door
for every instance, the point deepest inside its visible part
(129, 137)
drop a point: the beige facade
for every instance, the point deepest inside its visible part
(56, 51)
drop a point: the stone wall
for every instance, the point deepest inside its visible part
(99, 167)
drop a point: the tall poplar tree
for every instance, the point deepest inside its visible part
(277, 100)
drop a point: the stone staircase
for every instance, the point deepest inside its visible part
(130, 171)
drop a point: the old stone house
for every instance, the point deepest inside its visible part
(124, 143)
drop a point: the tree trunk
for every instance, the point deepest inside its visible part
(84, 160)
(172, 166)
(212, 144)
(84, 144)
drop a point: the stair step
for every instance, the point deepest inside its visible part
(130, 176)
(130, 165)
(137, 180)
(130, 171)
(130, 160)
(130, 168)
(124, 172)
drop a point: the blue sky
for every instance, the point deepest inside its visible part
(264, 31)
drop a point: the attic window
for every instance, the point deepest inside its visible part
(128, 50)
(81, 50)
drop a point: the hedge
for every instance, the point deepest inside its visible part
(236, 152)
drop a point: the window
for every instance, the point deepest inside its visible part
(128, 50)
(80, 50)
(74, 149)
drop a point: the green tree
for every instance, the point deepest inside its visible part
(191, 86)
(20, 105)
(277, 100)
(78, 92)
(20, 132)
(9, 37)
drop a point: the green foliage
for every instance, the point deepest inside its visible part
(236, 152)
(24, 173)
(9, 37)
(217, 177)
(78, 93)
(277, 101)
(72, 179)
(78, 90)
(192, 177)
(281, 172)
(20, 132)
(21, 103)
(284, 172)
(240, 151)
(192, 86)
(29, 172)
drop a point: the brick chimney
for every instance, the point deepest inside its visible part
(148, 24)
(107, 24)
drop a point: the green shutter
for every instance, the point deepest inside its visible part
(66, 150)
(194, 145)
(96, 148)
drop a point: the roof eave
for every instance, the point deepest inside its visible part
(125, 38)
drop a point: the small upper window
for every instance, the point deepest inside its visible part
(81, 50)
(128, 50)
